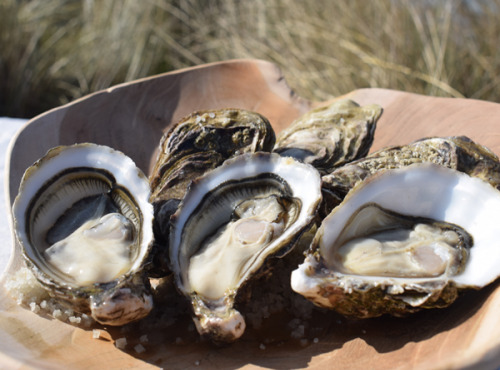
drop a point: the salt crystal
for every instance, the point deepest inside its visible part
(144, 338)
(34, 307)
(262, 346)
(316, 340)
(121, 343)
(139, 348)
(96, 334)
(75, 320)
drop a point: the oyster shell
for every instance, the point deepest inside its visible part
(202, 141)
(456, 152)
(430, 231)
(230, 222)
(330, 136)
(84, 222)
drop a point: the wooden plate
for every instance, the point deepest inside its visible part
(132, 117)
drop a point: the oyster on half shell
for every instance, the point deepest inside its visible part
(402, 240)
(231, 221)
(84, 223)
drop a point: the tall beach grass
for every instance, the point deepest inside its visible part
(54, 51)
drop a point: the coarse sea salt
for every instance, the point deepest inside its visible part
(139, 348)
(121, 343)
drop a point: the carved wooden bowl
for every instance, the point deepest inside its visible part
(132, 117)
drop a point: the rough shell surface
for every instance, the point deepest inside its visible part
(459, 153)
(330, 136)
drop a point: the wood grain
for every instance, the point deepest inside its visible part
(132, 118)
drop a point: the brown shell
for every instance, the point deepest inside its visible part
(457, 152)
(330, 136)
(202, 141)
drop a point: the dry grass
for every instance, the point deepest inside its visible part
(53, 51)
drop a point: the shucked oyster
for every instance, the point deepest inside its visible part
(330, 136)
(230, 222)
(456, 152)
(403, 240)
(84, 223)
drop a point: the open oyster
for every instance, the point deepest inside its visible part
(403, 240)
(330, 136)
(230, 222)
(84, 222)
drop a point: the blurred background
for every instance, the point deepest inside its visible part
(54, 51)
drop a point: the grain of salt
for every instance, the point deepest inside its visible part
(139, 348)
(121, 343)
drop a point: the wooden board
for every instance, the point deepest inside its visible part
(132, 118)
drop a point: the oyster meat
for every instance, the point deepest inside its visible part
(403, 240)
(229, 224)
(330, 136)
(84, 222)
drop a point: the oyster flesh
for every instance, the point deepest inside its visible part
(402, 240)
(84, 222)
(330, 136)
(230, 222)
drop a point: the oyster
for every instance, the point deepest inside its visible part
(330, 136)
(202, 141)
(230, 222)
(456, 152)
(403, 240)
(84, 222)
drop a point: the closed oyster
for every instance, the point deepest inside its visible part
(456, 152)
(330, 136)
(231, 221)
(403, 240)
(84, 222)
(202, 141)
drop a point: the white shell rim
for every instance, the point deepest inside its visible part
(304, 180)
(425, 190)
(103, 157)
